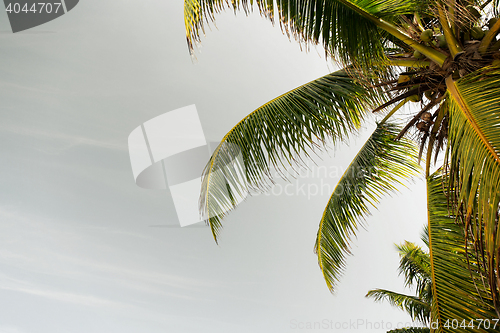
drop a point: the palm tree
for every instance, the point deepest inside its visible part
(441, 55)
(415, 267)
(451, 293)
(446, 279)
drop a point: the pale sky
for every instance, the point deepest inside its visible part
(83, 249)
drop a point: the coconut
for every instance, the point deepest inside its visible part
(418, 55)
(492, 22)
(422, 126)
(442, 42)
(403, 78)
(430, 94)
(426, 35)
(474, 11)
(414, 98)
(477, 33)
(426, 116)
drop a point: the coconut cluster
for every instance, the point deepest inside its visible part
(426, 84)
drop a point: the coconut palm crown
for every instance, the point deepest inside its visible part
(443, 56)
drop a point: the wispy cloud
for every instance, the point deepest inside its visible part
(8, 84)
(48, 248)
(66, 141)
(79, 299)
(10, 329)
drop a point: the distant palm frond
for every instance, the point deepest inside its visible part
(414, 265)
(413, 305)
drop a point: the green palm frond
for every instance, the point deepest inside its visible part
(459, 292)
(474, 155)
(349, 29)
(274, 135)
(414, 265)
(496, 7)
(380, 164)
(417, 308)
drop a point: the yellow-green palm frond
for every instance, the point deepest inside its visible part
(276, 134)
(379, 166)
(346, 28)
(474, 156)
(414, 265)
(417, 308)
(459, 292)
(197, 14)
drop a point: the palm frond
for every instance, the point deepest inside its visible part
(380, 164)
(417, 308)
(276, 134)
(474, 155)
(414, 265)
(496, 7)
(458, 290)
(347, 28)
(197, 14)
